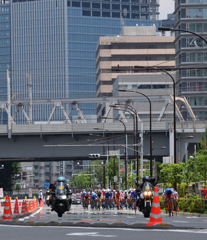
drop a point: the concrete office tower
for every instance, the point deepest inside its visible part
(157, 86)
(139, 46)
(190, 52)
(54, 43)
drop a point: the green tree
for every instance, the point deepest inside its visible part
(110, 168)
(164, 174)
(7, 181)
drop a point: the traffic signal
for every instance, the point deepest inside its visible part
(24, 175)
(94, 155)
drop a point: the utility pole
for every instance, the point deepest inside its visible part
(9, 102)
(119, 171)
(93, 176)
(142, 150)
(30, 97)
(107, 162)
(195, 169)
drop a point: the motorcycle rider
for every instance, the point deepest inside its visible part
(145, 179)
(68, 192)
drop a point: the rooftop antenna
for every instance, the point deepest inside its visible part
(125, 14)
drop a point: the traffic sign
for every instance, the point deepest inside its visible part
(115, 178)
(135, 171)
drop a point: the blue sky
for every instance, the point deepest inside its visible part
(166, 6)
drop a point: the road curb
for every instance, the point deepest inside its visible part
(188, 214)
(96, 224)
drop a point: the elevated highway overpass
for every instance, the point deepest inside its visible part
(56, 142)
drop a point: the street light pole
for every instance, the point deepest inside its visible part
(181, 30)
(132, 109)
(150, 106)
(113, 148)
(125, 148)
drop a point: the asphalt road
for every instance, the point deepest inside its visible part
(122, 218)
(78, 233)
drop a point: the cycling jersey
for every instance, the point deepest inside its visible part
(86, 196)
(169, 196)
(107, 195)
(93, 196)
(118, 195)
(82, 195)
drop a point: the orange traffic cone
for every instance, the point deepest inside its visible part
(16, 207)
(10, 205)
(7, 209)
(23, 207)
(155, 216)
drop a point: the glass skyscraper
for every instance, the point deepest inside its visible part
(5, 54)
(54, 43)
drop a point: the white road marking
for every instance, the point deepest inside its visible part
(32, 215)
(181, 221)
(203, 231)
(91, 234)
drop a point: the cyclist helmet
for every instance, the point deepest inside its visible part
(169, 192)
(61, 179)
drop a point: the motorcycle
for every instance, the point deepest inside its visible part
(146, 197)
(62, 199)
(47, 200)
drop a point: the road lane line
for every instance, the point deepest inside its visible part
(32, 215)
(196, 231)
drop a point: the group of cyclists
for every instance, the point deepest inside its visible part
(129, 199)
(108, 198)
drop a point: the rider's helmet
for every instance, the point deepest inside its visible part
(146, 179)
(117, 190)
(61, 179)
(125, 191)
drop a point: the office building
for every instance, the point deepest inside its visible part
(54, 44)
(135, 46)
(157, 86)
(5, 54)
(191, 52)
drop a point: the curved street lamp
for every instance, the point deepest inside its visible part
(129, 108)
(181, 30)
(125, 148)
(150, 106)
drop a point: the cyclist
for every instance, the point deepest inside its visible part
(82, 196)
(93, 199)
(169, 199)
(107, 198)
(118, 198)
